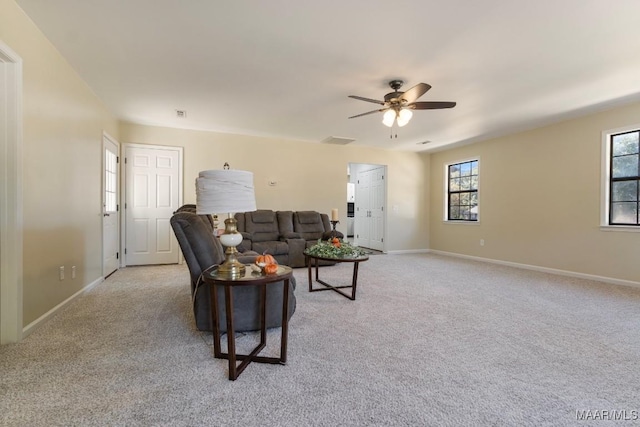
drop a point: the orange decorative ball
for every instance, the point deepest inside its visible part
(266, 259)
(271, 268)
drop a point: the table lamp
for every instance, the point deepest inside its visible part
(226, 191)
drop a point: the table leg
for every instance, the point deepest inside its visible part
(354, 282)
(234, 369)
(231, 336)
(285, 322)
(308, 260)
(215, 322)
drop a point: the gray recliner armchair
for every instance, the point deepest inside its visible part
(202, 250)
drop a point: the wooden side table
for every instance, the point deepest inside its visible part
(251, 278)
(313, 259)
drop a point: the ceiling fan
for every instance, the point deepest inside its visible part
(398, 106)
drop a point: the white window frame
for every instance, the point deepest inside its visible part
(605, 180)
(445, 179)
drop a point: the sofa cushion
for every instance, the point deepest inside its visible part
(309, 225)
(262, 225)
(263, 216)
(309, 217)
(285, 222)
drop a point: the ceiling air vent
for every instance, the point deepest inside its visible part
(337, 140)
(181, 114)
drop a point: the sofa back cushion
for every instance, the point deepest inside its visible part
(199, 247)
(309, 224)
(262, 225)
(285, 222)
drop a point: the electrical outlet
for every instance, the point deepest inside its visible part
(61, 272)
(73, 272)
(481, 242)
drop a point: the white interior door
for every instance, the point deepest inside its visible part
(370, 202)
(376, 208)
(110, 205)
(362, 228)
(152, 195)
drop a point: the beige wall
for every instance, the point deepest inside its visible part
(540, 200)
(309, 176)
(62, 140)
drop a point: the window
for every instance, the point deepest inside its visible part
(110, 181)
(462, 191)
(624, 178)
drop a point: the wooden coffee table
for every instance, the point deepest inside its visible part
(251, 278)
(315, 259)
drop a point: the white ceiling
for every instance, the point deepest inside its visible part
(284, 68)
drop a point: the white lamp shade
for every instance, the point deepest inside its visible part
(404, 116)
(224, 191)
(388, 117)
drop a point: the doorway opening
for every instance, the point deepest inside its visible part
(369, 184)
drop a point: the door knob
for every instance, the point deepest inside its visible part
(106, 214)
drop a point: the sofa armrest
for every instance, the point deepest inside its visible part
(296, 252)
(248, 257)
(246, 245)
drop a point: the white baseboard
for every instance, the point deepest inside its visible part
(27, 330)
(543, 269)
(408, 251)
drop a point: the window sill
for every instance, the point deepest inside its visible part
(450, 222)
(623, 228)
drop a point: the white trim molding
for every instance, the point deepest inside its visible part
(11, 219)
(543, 269)
(31, 327)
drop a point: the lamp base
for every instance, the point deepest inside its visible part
(231, 268)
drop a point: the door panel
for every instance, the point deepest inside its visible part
(362, 210)
(153, 192)
(377, 208)
(110, 207)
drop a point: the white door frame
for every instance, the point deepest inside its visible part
(123, 195)
(11, 219)
(115, 142)
(355, 169)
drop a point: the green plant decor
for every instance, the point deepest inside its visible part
(326, 249)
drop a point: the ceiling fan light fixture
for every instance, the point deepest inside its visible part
(404, 116)
(389, 117)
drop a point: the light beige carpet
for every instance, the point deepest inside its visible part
(430, 340)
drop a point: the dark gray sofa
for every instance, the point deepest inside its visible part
(283, 234)
(202, 250)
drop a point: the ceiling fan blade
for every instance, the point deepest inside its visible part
(361, 98)
(431, 105)
(369, 112)
(415, 92)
